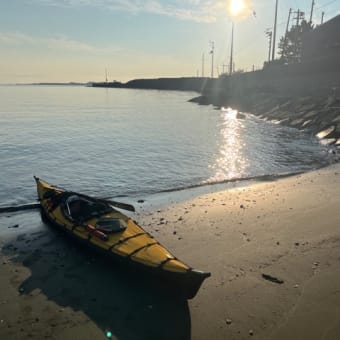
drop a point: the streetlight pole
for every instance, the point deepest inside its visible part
(274, 33)
(270, 36)
(212, 58)
(311, 12)
(231, 62)
(202, 65)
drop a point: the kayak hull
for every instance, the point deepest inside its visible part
(178, 278)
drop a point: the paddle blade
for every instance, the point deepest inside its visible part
(122, 205)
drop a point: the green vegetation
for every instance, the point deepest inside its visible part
(290, 44)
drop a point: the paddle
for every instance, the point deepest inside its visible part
(31, 206)
(119, 205)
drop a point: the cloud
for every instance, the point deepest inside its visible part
(15, 38)
(191, 10)
(59, 43)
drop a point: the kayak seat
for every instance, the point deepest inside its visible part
(110, 225)
(79, 208)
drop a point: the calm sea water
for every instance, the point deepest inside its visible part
(121, 142)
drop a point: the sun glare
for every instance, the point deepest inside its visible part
(236, 7)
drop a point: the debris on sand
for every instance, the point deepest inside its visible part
(272, 279)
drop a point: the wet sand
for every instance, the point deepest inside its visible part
(273, 249)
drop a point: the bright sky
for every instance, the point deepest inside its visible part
(76, 40)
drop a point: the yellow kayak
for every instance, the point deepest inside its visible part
(95, 222)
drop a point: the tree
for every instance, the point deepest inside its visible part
(290, 44)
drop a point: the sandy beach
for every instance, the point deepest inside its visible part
(273, 249)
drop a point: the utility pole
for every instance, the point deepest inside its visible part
(274, 33)
(212, 58)
(203, 65)
(288, 22)
(311, 12)
(299, 15)
(270, 36)
(231, 50)
(322, 15)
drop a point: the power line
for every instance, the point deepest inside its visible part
(328, 3)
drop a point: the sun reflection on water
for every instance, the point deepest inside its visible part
(231, 162)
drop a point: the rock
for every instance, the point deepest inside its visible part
(140, 201)
(14, 226)
(324, 133)
(228, 322)
(251, 332)
(306, 122)
(296, 122)
(272, 279)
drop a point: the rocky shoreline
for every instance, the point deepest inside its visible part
(318, 114)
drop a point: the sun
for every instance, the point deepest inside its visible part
(236, 7)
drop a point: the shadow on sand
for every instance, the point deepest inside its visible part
(74, 277)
